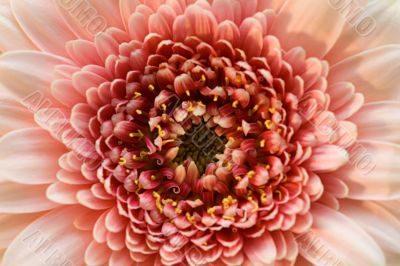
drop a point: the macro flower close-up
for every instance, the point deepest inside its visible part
(199, 132)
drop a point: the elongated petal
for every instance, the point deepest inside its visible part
(327, 158)
(27, 75)
(373, 72)
(372, 172)
(338, 238)
(42, 240)
(313, 25)
(13, 116)
(379, 121)
(43, 28)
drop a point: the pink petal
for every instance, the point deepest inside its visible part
(374, 72)
(13, 116)
(327, 158)
(27, 75)
(65, 244)
(29, 156)
(373, 171)
(13, 36)
(97, 254)
(261, 250)
(12, 224)
(378, 121)
(338, 237)
(42, 29)
(315, 26)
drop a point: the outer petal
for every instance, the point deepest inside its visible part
(337, 238)
(13, 38)
(313, 25)
(376, 221)
(50, 240)
(27, 76)
(47, 30)
(12, 224)
(89, 17)
(378, 121)
(368, 27)
(13, 116)
(373, 171)
(375, 73)
(16, 198)
(29, 156)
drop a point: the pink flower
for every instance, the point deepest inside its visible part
(225, 132)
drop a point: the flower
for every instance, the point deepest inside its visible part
(225, 132)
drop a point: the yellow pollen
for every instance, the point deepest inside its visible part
(211, 211)
(158, 201)
(238, 78)
(161, 132)
(239, 129)
(187, 93)
(228, 201)
(151, 87)
(268, 167)
(255, 108)
(136, 181)
(164, 106)
(190, 218)
(167, 141)
(137, 94)
(251, 174)
(229, 218)
(235, 104)
(255, 204)
(139, 134)
(153, 177)
(238, 178)
(262, 143)
(215, 98)
(200, 103)
(226, 80)
(178, 211)
(203, 78)
(275, 150)
(139, 112)
(268, 124)
(272, 110)
(122, 161)
(264, 198)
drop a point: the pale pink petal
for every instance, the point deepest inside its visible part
(327, 158)
(379, 121)
(16, 198)
(63, 193)
(338, 237)
(12, 224)
(97, 254)
(373, 72)
(13, 116)
(127, 7)
(372, 172)
(43, 28)
(27, 75)
(261, 250)
(376, 221)
(90, 17)
(13, 36)
(370, 26)
(313, 25)
(42, 241)
(29, 156)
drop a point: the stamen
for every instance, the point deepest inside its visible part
(151, 87)
(122, 161)
(235, 104)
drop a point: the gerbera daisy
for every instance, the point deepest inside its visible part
(183, 132)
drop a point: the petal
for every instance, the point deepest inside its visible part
(335, 236)
(127, 7)
(378, 121)
(51, 239)
(27, 76)
(260, 250)
(369, 27)
(374, 73)
(373, 171)
(16, 198)
(13, 38)
(313, 25)
(12, 224)
(13, 116)
(89, 17)
(97, 254)
(376, 221)
(42, 29)
(327, 158)
(63, 193)
(29, 156)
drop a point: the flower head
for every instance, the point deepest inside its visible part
(198, 133)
